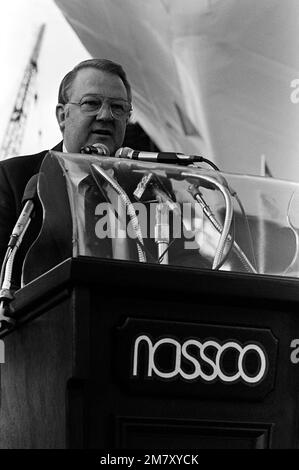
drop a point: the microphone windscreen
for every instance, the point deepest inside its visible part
(96, 149)
(123, 152)
(30, 192)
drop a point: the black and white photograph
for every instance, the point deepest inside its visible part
(149, 229)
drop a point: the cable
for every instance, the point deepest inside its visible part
(295, 232)
(235, 195)
(205, 160)
(230, 240)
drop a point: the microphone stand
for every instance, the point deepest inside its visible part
(162, 231)
(149, 189)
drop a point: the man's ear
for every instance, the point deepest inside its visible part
(60, 116)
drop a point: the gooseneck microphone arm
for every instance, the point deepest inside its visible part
(14, 243)
(228, 215)
(195, 192)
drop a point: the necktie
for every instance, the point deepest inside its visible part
(96, 243)
(105, 222)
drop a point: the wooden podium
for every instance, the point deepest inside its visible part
(111, 354)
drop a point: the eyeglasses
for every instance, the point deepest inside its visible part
(92, 104)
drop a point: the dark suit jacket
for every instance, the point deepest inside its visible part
(14, 175)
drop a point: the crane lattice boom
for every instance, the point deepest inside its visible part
(14, 133)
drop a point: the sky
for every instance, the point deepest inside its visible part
(61, 50)
(254, 76)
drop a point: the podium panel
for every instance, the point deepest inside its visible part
(117, 354)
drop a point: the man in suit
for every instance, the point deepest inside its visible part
(94, 106)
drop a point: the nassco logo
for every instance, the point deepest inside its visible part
(204, 360)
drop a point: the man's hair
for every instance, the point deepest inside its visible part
(104, 65)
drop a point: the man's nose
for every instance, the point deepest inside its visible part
(104, 113)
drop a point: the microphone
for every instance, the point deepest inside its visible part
(30, 194)
(158, 157)
(96, 149)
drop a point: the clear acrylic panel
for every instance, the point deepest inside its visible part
(178, 215)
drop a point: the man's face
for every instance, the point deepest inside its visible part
(79, 129)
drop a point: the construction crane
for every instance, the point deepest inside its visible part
(14, 133)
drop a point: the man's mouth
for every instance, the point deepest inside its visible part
(103, 132)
